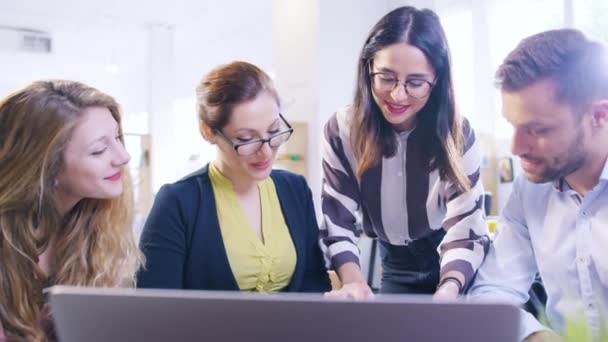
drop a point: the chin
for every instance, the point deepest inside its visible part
(113, 193)
(399, 121)
(536, 178)
(259, 175)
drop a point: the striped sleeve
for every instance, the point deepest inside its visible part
(466, 242)
(340, 228)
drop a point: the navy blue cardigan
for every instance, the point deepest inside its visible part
(184, 248)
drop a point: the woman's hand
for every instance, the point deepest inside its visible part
(447, 292)
(355, 290)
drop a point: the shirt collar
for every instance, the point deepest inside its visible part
(558, 185)
(604, 174)
(561, 185)
(403, 135)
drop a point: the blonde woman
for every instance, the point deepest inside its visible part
(65, 201)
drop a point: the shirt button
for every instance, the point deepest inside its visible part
(399, 174)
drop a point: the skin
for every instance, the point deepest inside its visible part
(405, 62)
(555, 140)
(93, 160)
(252, 120)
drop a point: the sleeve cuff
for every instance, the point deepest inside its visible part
(529, 325)
(461, 266)
(343, 258)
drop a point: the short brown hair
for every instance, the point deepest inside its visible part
(578, 66)
(227, 86)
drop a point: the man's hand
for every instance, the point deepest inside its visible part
(544, 336)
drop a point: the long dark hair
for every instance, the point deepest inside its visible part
(372, 136)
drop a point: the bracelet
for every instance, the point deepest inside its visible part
(452, 279)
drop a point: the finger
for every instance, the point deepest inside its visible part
(336, 294)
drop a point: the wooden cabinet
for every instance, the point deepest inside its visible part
(293, 155)
(138, 146)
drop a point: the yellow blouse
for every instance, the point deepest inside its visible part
(257, 266)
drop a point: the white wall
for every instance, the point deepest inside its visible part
(87, 37)
(201, 46)
(311, 48)
(83, 56)
(296, 63)
(316, 45)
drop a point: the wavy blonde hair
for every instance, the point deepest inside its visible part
(92, 245)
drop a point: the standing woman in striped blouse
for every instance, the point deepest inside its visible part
(402, 166)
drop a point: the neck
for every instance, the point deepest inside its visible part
(65, 202)
(408, 125)
(44, 261)
(587, 176)
(241, 185)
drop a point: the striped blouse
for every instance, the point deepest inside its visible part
(398, 201)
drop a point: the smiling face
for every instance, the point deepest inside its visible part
(551, 138)
(249, 121)
(93, 159)
(405, 63)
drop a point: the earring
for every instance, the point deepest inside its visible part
(56, 183)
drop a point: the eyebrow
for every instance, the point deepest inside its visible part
(531, 123)
(104, 138)
(100, 139)
(415, 75)
(251, 130)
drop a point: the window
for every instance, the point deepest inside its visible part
(508, 24)
(590, 17)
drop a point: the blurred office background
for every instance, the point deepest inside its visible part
(151, 54)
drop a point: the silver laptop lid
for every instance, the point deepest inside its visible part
(93, 314)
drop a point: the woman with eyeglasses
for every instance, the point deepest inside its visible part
(402, 166)
(236, 224)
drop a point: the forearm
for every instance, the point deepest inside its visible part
(456, 276)
(353, 283)
(466, 243)
(350, 272)
(461, 257)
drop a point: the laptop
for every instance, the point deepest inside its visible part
(93, 314)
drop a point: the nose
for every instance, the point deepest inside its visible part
(121, 156)
(520, 144)
(265, 150)
(399, 93)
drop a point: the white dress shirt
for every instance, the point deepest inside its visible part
(552, 230)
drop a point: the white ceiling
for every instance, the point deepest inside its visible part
(81, 14)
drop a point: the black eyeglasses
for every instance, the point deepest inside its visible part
(387, 82)
(384, 82)
(252, 147)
